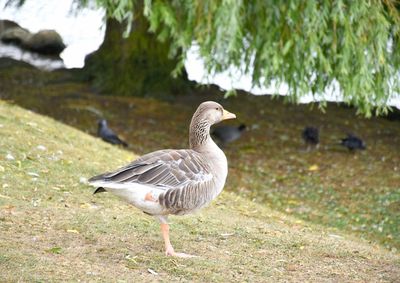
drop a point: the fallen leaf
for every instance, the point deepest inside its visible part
(8, 207)
(73, 231)
(54, 250)
(41, 147)
(88, 205)
(9, 156)
(313, 168)
(32, 124)
(227, 234)
(335, 236)
(85, 205)
(152, 271)
(131, 258)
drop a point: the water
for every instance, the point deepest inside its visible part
(42, 62)
(83, 32)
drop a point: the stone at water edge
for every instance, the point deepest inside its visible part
(13, 33)
(47, 42)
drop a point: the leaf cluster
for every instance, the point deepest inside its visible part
(315, 46)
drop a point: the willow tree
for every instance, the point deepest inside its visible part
(136, 63)
(313, 46)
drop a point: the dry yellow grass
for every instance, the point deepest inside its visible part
(52, 228)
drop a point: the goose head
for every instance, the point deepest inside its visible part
(212, 113)
(207, 114)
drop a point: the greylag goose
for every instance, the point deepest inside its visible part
(227, 134)
(174, 181)
(108, 135)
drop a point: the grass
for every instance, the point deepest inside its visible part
(54, 229)
(357, 193)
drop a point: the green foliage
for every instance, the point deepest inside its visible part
(312, 46)
(121, 10)
(137, 65)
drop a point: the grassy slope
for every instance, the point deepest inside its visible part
(358, 193)
(53, 228)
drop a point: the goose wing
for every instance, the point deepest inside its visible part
(165, 169)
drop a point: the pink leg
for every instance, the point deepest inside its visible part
(169, 250)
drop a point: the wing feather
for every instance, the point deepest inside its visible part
(170, 169)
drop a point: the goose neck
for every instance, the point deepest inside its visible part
(199, 134)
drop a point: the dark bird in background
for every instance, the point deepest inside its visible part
(227, 134)
(310, 136)
(352, 143)
(108, 135)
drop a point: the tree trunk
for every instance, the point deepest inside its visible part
(138, 65)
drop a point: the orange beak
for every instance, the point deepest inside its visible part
(227, 115)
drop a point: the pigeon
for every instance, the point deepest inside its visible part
(174, 181)
(310, 136)
(353, 142)
(227, 134)
(108, 135)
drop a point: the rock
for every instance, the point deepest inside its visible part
(11, 32)
(6, 24)
(17, 36)
(47, 42)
